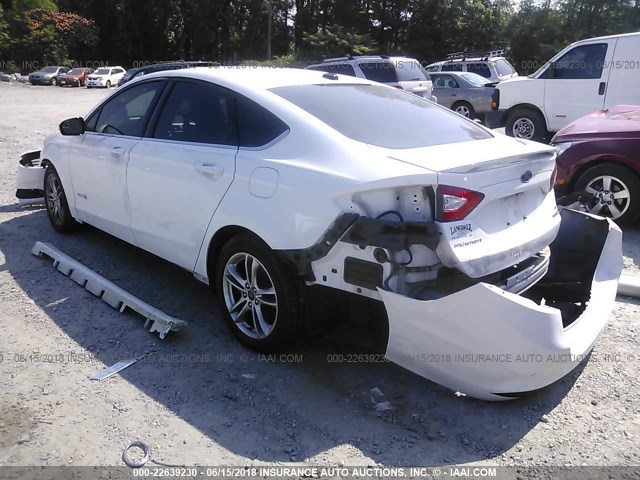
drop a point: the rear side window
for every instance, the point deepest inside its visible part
(128, 112)
(383, 72)
(504, 68)
(200, 113)
(382, 116)
(257, 126)
(410, 71)
(452, 67)
(339, 68)
(481, 69)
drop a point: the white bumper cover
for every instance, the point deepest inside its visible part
(495, 345)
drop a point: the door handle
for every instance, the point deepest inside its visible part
(602, 88)
(211, 169)
(118, 150)
(454, 94)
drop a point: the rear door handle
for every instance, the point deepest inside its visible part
(602, 88)
(210, 169)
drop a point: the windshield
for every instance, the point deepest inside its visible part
(76, 71)
(102, 71)
(382, 116)
(475, 79)
(49, 69)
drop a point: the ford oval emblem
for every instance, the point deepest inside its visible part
(526, 176)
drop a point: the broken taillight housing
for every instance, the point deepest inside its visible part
(455, 203)
(554, 177)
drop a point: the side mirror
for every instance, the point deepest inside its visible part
(72, 126)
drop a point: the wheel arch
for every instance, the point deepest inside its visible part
(602, 160)
(528, 106)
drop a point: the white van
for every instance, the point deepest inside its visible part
(586, 76)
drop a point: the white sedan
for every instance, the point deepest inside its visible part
(264, 181)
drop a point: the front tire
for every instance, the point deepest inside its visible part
(527, 124)
(57, 205)
(108, 84)
(465, 109)
(616, 190)
(259, 294)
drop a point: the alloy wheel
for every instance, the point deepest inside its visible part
(611, 196)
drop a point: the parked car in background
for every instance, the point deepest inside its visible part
(491, 65)
(586, 76)
(262, 182)
(105, 77)
(399, 72)
(600, 154)
(47, 75)
(465, 93)
(156, 67)
(76, 77)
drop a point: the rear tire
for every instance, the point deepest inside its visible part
(259, 295)
(609, 179)
(465, 109)
(527, 124)
(57, 205)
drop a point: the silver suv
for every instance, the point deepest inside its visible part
(490, 64)
(399, 72)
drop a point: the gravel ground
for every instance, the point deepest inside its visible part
(199, 397)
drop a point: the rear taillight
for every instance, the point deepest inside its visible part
(456, 203)
(554, 177)
(495, 99)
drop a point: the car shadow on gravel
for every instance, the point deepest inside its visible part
(331, 392)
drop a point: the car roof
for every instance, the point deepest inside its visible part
(260, 78)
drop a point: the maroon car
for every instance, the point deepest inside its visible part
(600, 155)
(75, 77)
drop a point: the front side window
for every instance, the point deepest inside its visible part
(128, 112)
(382, 116)
(383, 72)
(200, 113)
(582, 62)
(481, 69)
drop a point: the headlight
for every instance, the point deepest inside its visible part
(561, 147)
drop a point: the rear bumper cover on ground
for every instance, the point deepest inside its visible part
(30, 177)
(494, 345)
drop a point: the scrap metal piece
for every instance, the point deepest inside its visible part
(118, 298)
(629, 285)
(112, 370)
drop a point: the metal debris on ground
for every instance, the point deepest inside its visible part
(109, 292)
(112, 370)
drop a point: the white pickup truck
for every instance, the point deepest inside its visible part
(586, 76)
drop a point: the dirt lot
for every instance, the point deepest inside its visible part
(199, 397)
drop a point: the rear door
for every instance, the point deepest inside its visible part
(445, 88)
(576, 82)
(180, 171)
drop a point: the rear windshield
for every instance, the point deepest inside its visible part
(383, 72)
(475, 79)
(409, 71)
(504, 68)
(382, 116)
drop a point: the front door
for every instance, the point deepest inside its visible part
(576, 83)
